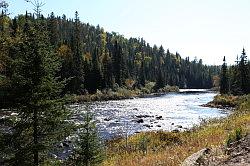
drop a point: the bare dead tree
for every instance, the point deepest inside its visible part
(4, 6)
(37, 6)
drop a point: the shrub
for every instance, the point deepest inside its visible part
(143, 144)
(129, 83)
(123, 92)
(88, 147)
(234, 136)
(149, 86)
(226, 100)
(168, 88)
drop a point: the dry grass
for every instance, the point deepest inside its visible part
(170, 149)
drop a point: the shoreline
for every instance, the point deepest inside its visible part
(108, 95)
(120, 94)
(223, 102)
(174, 148)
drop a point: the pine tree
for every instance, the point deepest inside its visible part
(243, 73)
(107, 71)
(77, 80)
(142, 72)
(224, 78)
(53, 30)
(94, 75)
(117, 63)
(88, 150)
(36, 94)
(160, 81)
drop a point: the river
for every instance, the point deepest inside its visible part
(167, 112)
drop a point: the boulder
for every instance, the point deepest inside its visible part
(147, 125)
(158, 117)
(175, 131)
(140, 121)
(179, 126)
(107, 119)
(194, 159)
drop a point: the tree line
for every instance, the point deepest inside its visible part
(93, 59)
(235, 79)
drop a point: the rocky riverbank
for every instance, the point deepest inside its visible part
(235, 151)
(218, 142)
(235, 154)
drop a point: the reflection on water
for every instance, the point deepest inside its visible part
(166, 112)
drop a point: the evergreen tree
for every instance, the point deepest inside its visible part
(224, 78)
(77, 77)
(36, 95)
(159, 82)
(53, 30)
(107, 71)
(142, 72)
(239, 76)
(117, 63)
(243, 73)
(93, 76)
(88, 150)
(235, 88)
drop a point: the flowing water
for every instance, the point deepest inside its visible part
(166, 112)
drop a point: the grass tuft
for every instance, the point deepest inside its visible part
(167, 148)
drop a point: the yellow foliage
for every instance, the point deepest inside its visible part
(5, 21)
(216, 81)
(147, 59)
(88, 56)
(129, 83)
(64, 51)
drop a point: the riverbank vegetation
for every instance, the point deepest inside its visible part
(223, 101)
(123, 93)
(168, 148)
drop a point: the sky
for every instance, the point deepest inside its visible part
(206, 29)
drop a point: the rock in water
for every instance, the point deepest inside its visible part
(159, 117)
(140, 121)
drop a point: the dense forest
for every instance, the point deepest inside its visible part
(235, 79)
(93, 59)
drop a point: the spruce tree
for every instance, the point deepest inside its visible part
(160, 81)
(36, 94)
(142, 72)
(224, 78)
(117, 63)
(88, 151)
(77, 77)
(243, 73)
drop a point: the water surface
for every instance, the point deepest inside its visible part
(166, 112)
